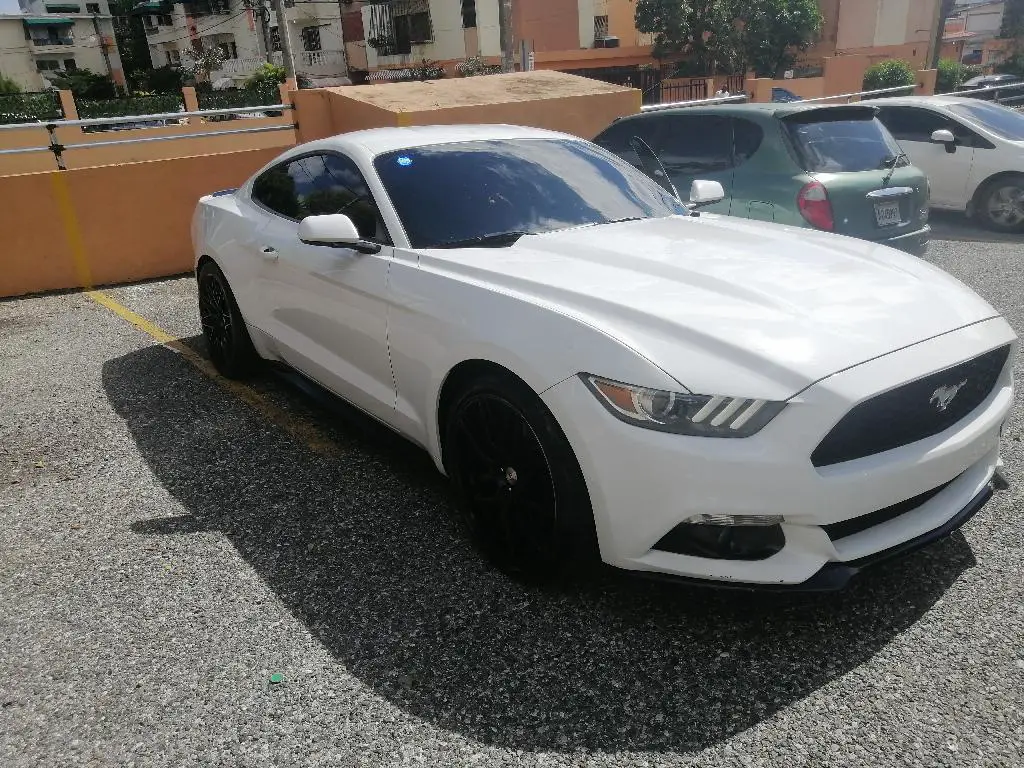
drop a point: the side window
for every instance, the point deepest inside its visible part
(693, 144)
(334, 184)
(321, 184)
(616, 139)
(911, 124)
(747, 138)
(276, 189)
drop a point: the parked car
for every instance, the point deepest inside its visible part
(783, 95)
(972, 151)
(604, 371)
(828, 167)
(992, 82)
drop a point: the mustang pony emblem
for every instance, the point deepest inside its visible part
(943, 396)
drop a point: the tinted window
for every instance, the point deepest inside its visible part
(841, 145)
(692, 144)
(321, 184)
(910, 124)
(616, 138)
(747, 138)
(1001, 120)
(452, 193)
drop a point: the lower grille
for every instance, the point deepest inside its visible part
(913, 411)
(844, 528)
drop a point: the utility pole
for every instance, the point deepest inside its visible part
(945, 8)
(286, 44)
(508, 47)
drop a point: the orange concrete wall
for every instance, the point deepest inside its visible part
(804, 87)
(327, 112)
(844, 74)
(132, 220)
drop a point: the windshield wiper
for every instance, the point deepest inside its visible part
(624, 219)
(891, 163)
(493, 240)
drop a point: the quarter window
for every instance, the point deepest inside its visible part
(747, 138)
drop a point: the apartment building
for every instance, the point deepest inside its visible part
(47, 37)
(887, 29)
(560, 34)
(972, 29)
(248, 34)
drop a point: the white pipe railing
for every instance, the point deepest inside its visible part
(898, 89)
(693, 103)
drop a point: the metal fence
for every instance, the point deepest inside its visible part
(59, 149)
(139, 108)
(30, 107)
(692, 91)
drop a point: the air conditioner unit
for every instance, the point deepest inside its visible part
(606, 42)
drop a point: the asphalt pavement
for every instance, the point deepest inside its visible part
(197, 574)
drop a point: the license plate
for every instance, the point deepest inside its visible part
(887, 214)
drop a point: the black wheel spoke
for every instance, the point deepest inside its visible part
(501, 467)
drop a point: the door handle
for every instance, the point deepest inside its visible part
(269, 252)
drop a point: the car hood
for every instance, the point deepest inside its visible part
(716, 299)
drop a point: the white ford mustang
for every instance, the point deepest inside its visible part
(604, 372)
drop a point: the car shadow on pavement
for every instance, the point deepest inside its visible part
(361, 548)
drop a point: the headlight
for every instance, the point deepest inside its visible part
(699, 415)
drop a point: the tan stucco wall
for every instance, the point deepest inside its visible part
(132, 221)
(552, 100)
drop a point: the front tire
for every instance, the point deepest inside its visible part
(1001, 204)
(520, 490)
(227, 339)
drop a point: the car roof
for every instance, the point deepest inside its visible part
(769, 110)
(922, 101)
(989, 79)
(376, 141)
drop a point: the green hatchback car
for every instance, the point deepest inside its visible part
(834, 168)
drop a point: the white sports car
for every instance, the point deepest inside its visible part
(603, 371)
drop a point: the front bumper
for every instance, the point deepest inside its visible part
(644, 483)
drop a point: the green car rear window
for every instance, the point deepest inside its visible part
(845, 145)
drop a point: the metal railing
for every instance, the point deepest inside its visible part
(694, 102)
(58, 149)
(849, 96)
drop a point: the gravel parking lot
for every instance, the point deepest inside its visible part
(200, 574)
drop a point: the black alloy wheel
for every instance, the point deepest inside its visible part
(521, 492)
(227, 339)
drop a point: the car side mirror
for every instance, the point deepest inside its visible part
(703, 192)
(334, 230)
(943, 136)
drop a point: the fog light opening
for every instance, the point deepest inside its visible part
(726, 537)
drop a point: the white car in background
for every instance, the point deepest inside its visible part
(605, 372)
(971, 150)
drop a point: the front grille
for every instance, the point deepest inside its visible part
(913, 411)
(845, 528)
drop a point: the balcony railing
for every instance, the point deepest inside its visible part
(45, 42)
(237, 67)
(315, 60)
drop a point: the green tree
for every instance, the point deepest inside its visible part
(131, 39)
(1013, 20)
(889, 74)
(951, 73)
(85, 84)
(703, 29)
(8, 86)
(770, 33)
(198, 63)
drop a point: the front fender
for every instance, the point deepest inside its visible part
(437, 322)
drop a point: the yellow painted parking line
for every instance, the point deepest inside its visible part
(298, 429)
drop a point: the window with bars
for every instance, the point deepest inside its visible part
(395, 27)
(311, 39)
(275, 39)
(600, 26)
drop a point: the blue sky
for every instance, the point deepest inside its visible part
(9, 6)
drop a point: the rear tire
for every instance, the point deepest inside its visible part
(227, 339)
(1000, 204)
(519, 487)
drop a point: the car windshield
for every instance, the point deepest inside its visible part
(842, 145)
(449, 195)
(1001, 120)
